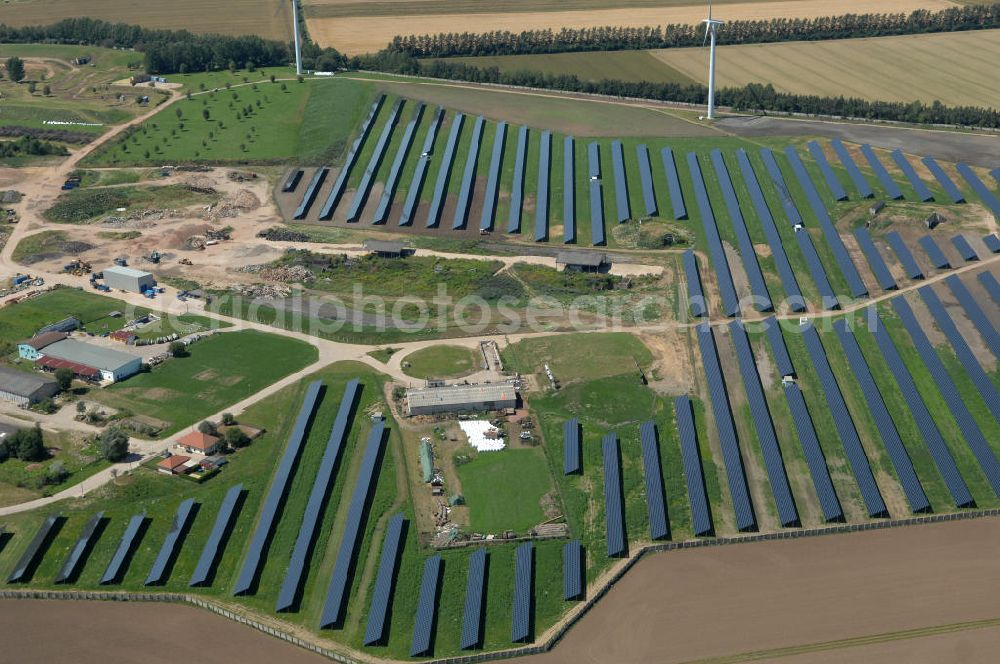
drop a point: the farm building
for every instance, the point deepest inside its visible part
(114, 365)
(385, 248)
(124, 336)
(24, 388)
(128, 279)
(197, 442)
(174, 465)
(31, 349)
(65, 325)
(457, 398)
(582, 261)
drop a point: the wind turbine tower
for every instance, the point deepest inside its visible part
(298, 38)
(711, 26)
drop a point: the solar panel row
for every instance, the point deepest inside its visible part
(364, 187)
(318, 178)
(292, 181)
(444, 171)
(829, 503)
(816, 270)
(475, 589)
(938, 260)
(493, 178)
(964, 249)
(71, 565)
(420, 172)
(844, 425)
(883, 421)
(778, 179)
(992, 243)
(921, 415)
(944, 180)
(946, 386)
(923, 193)
(832, 183)
(793, 296)
(517, 185)
(891, 188)
(646, 180)
(701, 516)
(614, 506)
(569, 188)
(696, 296)
(276, 494)
(317, 497)
(178, 527)
(984, 193)
(875, 262)
(730, 301)
(572, 555)
(673, 184)
(223, 523)
(396, 169)
(864, 189)
(621, 182)
(597, 236)
(975, 314)
(989, 282)
(906, 259)
(35, 551)
(115, 569)
(423, 625)
(758, 288)
(745, 519)
(571, 446)
(336, 594)
(340, 185)
(523, 590)
(542, 191)
(782, 361)
(653, 474)
(469, 175)
(384, 580)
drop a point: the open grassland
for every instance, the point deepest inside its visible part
(589, 66)
(268, 18)
(951, 68)
(504, 490)
(441, 362)
(21, 481)
(367, 27)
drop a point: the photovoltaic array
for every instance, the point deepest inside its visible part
(475, 591)
(420, 172)
(223, 523)
(573, 568)
(730, 301)
(423, 625)
(569, 187)
(614, 505)
(384, 580)
(444, 171)
(36, 549)
(116, 568)
(517, 186)
(171, 543)
(524, 580)
(378, 154)
(653, 475)
(71, 566)
(701, 517)
(340, 186)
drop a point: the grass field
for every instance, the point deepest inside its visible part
(21, 481)
(934, 67)
(441, 362)
(504, 489)
(86, 204)
(589, 66)
(606, 355)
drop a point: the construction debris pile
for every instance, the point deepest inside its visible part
(262, 291)
(241, 176)
(201, 184)
(285, 273)
(140, 218)
(279, 234)
(244, 201)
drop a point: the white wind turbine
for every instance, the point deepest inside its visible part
(298, 39)
(711, 26)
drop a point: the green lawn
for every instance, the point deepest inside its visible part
(441, 361)
(606, 354)
(504, 489)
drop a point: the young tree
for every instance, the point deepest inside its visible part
(205, 114)
(47, 90)
(28, 444)
(64, 376)
(32, 86)
(179, 113)
(81, 407)
(228, 419)
(113, 444)
(177, 349)
(15, 68)
(272, 78)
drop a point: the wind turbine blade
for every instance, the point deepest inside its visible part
(707, 28)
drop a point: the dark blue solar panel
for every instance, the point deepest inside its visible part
(850, 272)
(830, 504)
(614, 506)
(276, 494)
(696, 296)
(673, 184)
(782, 361)
(745, 519)
(374, 163)
(758, 288)
(987, 196)
(75, 558)
(701, 516)
(987, 389)
(126, 545)
(420, 173)
(178, 527)
(730, 301)
(793, 295)
(597, 236)
(933, 251)
(571, 446)
(832, 183)
(864, 189)
(816, 271)
(964, 249)
(423, 625)
(975, 313)
(761, 416)
(572, 570)
(989, 282)
(469, 176)
(921, 415)
(318, 178)
(396, 169)
(333, 198)
(542, 191)
(337, 592)
(292, 181)
(992, 243)
(655, 501)
(523, 590)
(384, 581)
(223, 520)
(923, 193)
(493, 178)
(845, 425)
(946, 182)
(299, 561)
(875, 262)
(444, 171)
(621, 183)
(946, 386)
(475, 588)
(646, 179)
(517, 186)
(569, 189)
(906, 258)
(891, 188)
(35, 551)
(791, 210)
(883, 421)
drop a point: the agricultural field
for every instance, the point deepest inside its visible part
(587, 65)
(441, 361)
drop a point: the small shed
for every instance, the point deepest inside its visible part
(933, 220)
(385, 248)
(876, 207)
(174, 465)
(582, 261)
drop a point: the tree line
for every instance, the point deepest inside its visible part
(609, 38)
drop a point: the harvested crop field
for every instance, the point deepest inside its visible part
(362, 31)
(266, 18)
(951, 67)
(590, 66)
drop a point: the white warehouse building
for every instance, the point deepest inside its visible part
(128, 279)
